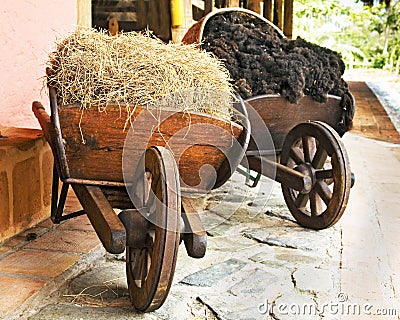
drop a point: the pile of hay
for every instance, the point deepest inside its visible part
(94, 69)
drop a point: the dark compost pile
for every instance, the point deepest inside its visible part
(261, 61)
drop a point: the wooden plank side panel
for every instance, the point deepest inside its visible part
(280, 116)
(232, 3)
(195, 140)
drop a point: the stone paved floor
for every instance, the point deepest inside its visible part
(260, 266)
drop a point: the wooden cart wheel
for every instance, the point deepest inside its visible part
(315, 149)
(150, 263)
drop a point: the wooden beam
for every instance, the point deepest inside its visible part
(195, 236)
(103, 218)
(280, 173)
(288, 19)
(208, 6)
(267, 13)
(254, 5)
(278, 17)
(232, 3)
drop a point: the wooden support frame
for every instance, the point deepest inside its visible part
(194, 236)
(103, 218)
(267, 11)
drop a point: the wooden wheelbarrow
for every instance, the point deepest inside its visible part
(149, 173)
(306, 154)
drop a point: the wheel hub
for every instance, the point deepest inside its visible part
(308, 170)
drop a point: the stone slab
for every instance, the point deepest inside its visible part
(76, 312)
(211, 275)
(263, 284)
(105, 283)
(230, 307)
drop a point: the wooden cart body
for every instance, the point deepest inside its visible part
(88, 148)
(304, 176)
(280, 116)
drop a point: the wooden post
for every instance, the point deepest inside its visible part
(254, 5)
(113, 27)
(278, 13)
(220, 4)
(288, 20)
(232, 3)
(84, 8)
(267, 13)
(155, 15)
(208, 6)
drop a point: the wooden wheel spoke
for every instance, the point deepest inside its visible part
(324, 174)
(308, 143)
(323, 191)
(147, 187)
(140, 266)
(296, 155)
(301, 200)
(151, 204)
(319, 157)
(315, 204)
(146, 264)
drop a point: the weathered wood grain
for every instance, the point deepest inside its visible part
(104, 220)
(280, 116)
(94, 141)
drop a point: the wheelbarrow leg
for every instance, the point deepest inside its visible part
(58, 202)
(194, 236)
(103, 218)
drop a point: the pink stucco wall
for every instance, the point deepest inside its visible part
(28, 29)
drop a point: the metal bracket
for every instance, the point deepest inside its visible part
(58, 201)
(251, 180)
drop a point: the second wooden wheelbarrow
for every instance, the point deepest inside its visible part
(305, 153)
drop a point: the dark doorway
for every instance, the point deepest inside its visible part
(134, 15)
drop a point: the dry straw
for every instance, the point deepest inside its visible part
(94, 69)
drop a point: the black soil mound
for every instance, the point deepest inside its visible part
(260, 61)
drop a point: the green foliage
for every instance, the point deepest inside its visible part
(363, 35)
